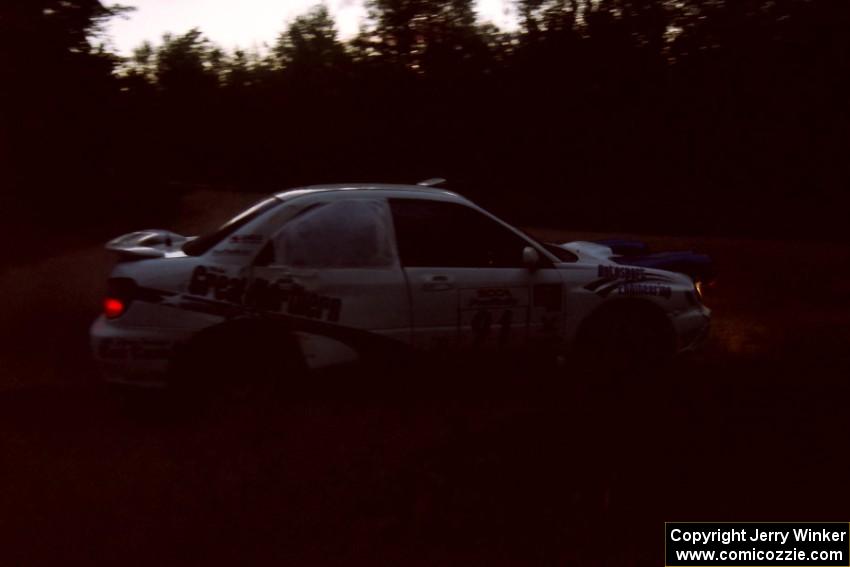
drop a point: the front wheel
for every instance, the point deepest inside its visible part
(625, 338)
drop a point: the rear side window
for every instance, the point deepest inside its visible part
(440, 234)
(341, 234)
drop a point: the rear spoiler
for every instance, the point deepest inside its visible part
(146, 244)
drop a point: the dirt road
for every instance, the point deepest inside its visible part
(510, 467)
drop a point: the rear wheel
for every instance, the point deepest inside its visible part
(240, 361)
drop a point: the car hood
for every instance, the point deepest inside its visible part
(697, 266)
(588, 251)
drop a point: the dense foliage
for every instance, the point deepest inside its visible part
(725, 116)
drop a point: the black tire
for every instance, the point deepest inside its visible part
(625, 337)
(238, 361)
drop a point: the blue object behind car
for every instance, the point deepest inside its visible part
(637, 253)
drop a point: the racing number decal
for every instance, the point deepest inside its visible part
(483, 309)
(482, 323)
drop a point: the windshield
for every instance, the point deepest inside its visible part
(199, 245)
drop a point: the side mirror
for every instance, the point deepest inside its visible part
(530, 258)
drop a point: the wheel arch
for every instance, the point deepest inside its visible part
(612, 308)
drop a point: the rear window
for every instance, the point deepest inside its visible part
(203, 243)
(341, 234)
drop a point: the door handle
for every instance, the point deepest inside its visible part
(438, 282)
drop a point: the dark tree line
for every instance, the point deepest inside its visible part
(726, 116)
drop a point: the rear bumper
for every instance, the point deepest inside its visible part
(134, 356)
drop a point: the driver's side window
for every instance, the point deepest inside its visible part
(441, 234)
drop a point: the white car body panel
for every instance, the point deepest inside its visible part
(334, 310)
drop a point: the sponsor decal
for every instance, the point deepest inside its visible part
(247, 239)
(632, 289)
(492, 296)
(283, 294)
(135, 349)
(624, 279)
(627, 273)
(216, 282)
(279, 295)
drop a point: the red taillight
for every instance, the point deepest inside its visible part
(113, 307)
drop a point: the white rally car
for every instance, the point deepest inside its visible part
(331, 274)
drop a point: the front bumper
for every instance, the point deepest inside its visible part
(692, 328)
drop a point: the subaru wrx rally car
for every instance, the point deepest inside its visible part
(330, 274)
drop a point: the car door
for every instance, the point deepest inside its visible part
(334, 265)
(469, 287)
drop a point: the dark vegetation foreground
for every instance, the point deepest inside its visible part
(440, 465)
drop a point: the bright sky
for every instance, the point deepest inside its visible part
(246, 23)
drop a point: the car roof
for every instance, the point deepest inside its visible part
(389, 189)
